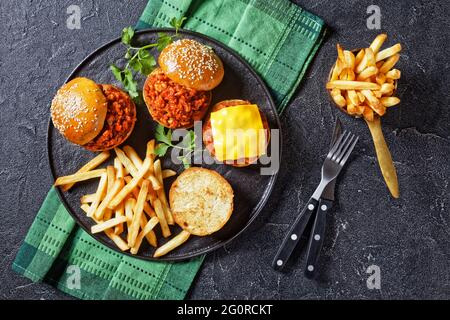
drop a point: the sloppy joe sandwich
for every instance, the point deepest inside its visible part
(236, 132)
(201, 201)
(95, 116)
(179, 92)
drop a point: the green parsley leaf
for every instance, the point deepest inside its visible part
(127, 35)
(163, 40)
(161, 149)
(116, 72)
(162, 136)
(177, 23)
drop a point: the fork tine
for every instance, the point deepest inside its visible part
(341, 146)
(336, 145)
(344, 148)
(348, 152)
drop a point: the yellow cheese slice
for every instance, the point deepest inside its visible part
(238, 132)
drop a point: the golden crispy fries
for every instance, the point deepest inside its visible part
(338, 67)
(338, 98)
(92, 164)
(119, 212)
(145, 230)
(380, 79)
(129, 205)
(172, 244)
(120, 172)
(162, 219)
(167, 173)
(367, 73)
(88, 198)
(99, 195)
(79, 176)
(161, 193)
(378, 42)
(368, 113)
(353, 97)
(390, 101)
(374, 103)
(85, 207)
(368, 53)
(351, 109)
(108, 224)
(387, 88)
(393, 74)
(151, 236)
(104, 205)
(361, 97)
(126, 162)
(359, 56)
(341, 55)
(111, 172)
(120, 243)
(147, 209)
(389, 52)
(390, 63)
(138, 211)
(131, 185)
(349, 59)
(352, 85)
(133, 156)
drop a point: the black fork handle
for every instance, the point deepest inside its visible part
(293, 236)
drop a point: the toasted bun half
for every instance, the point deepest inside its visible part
(174, 105)
(79, 110)
(208, 138)
(191, 64)
(201, 201)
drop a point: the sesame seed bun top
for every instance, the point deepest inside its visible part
(191, 64)
(78, 110)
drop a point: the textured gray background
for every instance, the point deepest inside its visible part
(407, 238)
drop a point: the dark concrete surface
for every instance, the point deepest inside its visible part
(407, 238)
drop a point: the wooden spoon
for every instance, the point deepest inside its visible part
(384, 156)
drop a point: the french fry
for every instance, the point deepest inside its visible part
(99, 195)
(131, 185)
(138, 211)
(361, 96)
(353, 97)
(367, 61)
(167, 173)
(85, 207)
(88, 198)
(338, 98)
(126, 162)
(133, 156)
(390, 101)
(374, 103)
(359, 57)
(389, 63)
(107, 224)
(147, 228)
(380, 79)
(378, 42)
(175, 242)
(79, 176)
(129, 205)
(161, 193)
(389, 52)
(349, 59)
(147, 209)
(338, 67)
(387, 88)
(104, 205)
(111, 172)
(162, 219)
(352, 85)
(393, 74)
(150, 153)
(367, 73)
(120, 243)
(368, 113)
(120, 172)
(341, 55)
(119, 212)
(151, 236)
(351, 109)
(92, 164)
(370, 58)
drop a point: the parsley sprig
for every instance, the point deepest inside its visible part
(139, 59)
(165, 142)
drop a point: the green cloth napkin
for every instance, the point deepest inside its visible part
(278, 39)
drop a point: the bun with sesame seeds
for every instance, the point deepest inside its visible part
(95, 116)
(191, 64)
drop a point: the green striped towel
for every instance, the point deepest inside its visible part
(278, 39)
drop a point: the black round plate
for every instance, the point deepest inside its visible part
(250, 188)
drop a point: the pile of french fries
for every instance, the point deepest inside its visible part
(364, 84)
(130, 200)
